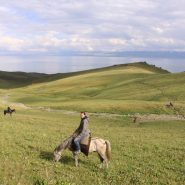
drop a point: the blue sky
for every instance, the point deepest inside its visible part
(58, 26)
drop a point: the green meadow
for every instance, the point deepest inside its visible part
(122, 89)
(47, 112)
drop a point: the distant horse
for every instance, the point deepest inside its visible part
(9, 111)
(169, 105)
(101, 146)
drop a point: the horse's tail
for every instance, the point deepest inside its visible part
(4, 112)
(108, 150)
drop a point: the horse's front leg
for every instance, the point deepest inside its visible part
(76, 159)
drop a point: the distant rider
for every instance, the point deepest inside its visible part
(9, 109)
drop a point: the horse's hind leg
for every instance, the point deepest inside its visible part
(103, 159)
(100, 157)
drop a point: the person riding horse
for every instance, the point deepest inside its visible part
(75, 143)
(9, 109)
(81, 132)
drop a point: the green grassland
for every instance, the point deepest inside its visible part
(142, 153)
(146, 153)
(122, 89)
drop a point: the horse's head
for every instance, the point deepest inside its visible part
(60, 148)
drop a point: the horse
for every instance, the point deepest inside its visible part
(169, 105)
(101, 146)
(9, 111)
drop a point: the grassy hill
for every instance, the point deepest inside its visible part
(19, 79)
(127, 88)
(142, 153)
(10, 80)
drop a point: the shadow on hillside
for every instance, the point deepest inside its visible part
(67, 160)
(46, 155)
(82, 159)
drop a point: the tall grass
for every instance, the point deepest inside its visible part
(149, 153)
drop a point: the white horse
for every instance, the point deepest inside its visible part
(101, 146)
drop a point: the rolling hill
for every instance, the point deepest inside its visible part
(9, 80)
(146, 152)
(136, 87)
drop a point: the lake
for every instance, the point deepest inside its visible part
(63, 64)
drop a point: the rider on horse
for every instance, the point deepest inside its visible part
(81, 132)
(9, 109)
(77, 143)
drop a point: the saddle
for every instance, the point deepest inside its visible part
(84, 145)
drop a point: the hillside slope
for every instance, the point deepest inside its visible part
(93, 82)
(136, 87)
(10, 80)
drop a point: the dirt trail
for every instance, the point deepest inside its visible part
(157, 117)
(137, 117)
(76, 112)
(5, 102)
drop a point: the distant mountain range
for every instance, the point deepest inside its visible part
(157, 54)
(160, 54)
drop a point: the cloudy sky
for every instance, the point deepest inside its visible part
(58, 26)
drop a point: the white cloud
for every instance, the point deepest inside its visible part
(158, 30)
(12, 44)
(106, 25)
(117, 41)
